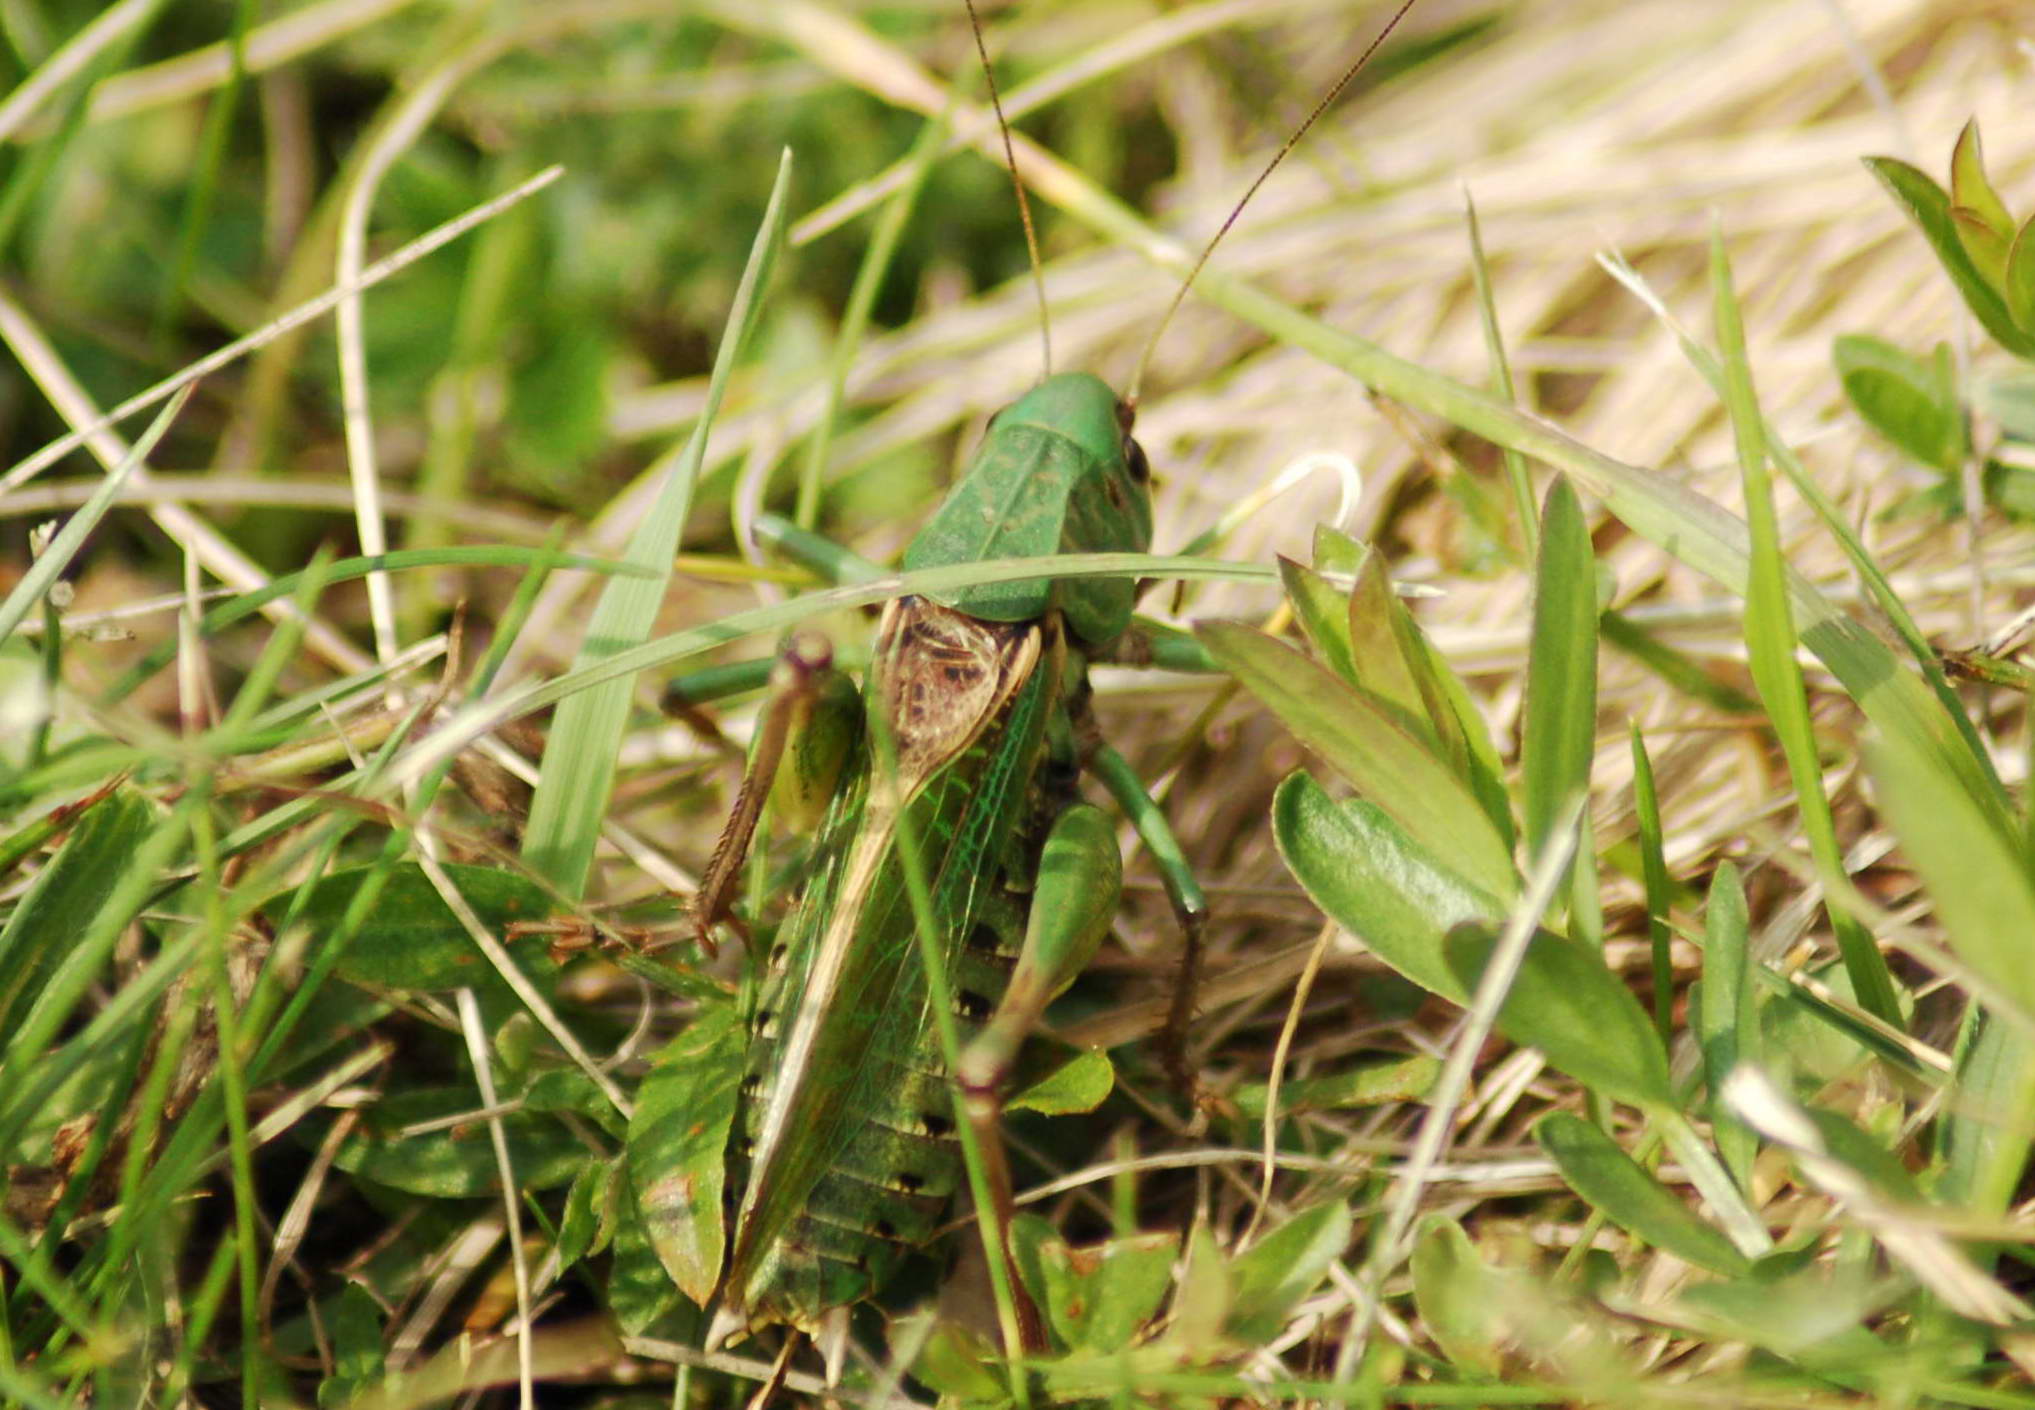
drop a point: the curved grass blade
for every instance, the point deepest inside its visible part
(578, 769)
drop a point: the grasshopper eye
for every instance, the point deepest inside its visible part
(1134, 460)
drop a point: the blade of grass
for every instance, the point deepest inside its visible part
(1501, 382)
(869, 276)
(479, 717)
(578, 769)
(1558, 738)
(36, 582)
(31, 466)
(204, 183)
(1726, 1026)
(1770, 642)
(1885, 598)
(1653, 863)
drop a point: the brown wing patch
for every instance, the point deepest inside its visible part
(943, 676)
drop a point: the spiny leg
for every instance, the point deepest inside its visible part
(1073, 902)
(808, 729)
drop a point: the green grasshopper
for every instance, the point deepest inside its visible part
(969, 735)
(821, 1143)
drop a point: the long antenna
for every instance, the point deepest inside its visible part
(1328, 100)
(1023, 203)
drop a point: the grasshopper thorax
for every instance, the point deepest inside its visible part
(1058, 472)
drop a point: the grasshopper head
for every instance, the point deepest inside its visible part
(1057, 473)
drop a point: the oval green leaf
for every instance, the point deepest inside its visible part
(1099, 1297)
(1584, 1021)
(1268, 1279)
(677, 1147)
(1620, 1188)
(1368, 876)
(1362, 742)
(411, 939)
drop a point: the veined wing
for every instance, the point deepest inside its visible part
(855, 993)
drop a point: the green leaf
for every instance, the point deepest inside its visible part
(1771, 642)
(1456, 1296)
(1815, 1315)
(1972, 866)
(1376, 1083)
(1623, 1191)
(1271, 1277)
(1905, 399)
(1100, 1296)
(959, 1363)
(1323, 614)
(1988, 1132)
(678, 1147)
(1377, 632)
(1336, 552)
(1971, 188)
(2019, 278)
(353, 1321)
(1567, 1004)
(65, 897)
(1367, 875)
(1727, 1025)
(411, 939)
(570, 1089)
(1659, 893)
(1201, 1306)
(1362, 743)
(1929, 207)
(1559, 736)
(639, 1290)
(457, 1162)
(1986, 247)
(1399, 665)
(581, 1219)
(1079, 1084)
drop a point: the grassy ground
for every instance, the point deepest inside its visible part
(1744, 1123)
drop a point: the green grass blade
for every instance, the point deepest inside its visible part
(1501, 382)
(204, 185)
(579, 757)
(1770, 642)
(869, 276)
(1727, 1027)
(246, 604)
(1559, 736)
(69, 539)
(1975, 872)
(64, 899)
(1653, 864)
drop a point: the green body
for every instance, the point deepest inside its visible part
(840, 1146)
(1058, 473)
